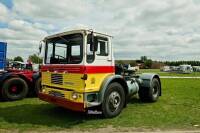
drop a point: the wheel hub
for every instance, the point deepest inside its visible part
(14, 89)
(114, 101)
(155, 91)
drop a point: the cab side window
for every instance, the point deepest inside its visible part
(103, 48)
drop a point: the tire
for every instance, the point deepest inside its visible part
(114, 92)
(150, 94)
(38, 86)
(14, 89)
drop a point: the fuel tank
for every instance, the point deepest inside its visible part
(133, 86)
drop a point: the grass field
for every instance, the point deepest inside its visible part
(178, 108)
(194, 74)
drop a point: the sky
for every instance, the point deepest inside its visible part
(159, 29)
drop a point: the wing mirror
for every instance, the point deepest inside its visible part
(40, 46)
(93, 42)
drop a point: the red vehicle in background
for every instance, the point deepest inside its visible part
(19, 80)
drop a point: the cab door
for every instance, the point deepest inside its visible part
(99, 63)
(103, 53)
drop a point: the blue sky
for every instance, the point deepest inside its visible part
(161, 30)
(7, 3)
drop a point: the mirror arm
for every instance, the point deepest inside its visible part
(40, 46)
(91, 41)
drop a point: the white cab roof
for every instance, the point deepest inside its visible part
(74, 31)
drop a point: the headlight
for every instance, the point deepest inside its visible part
(43, 89)
(74, 95)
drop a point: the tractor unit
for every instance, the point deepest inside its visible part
(19, 80)
(79, 73)
(16, 84)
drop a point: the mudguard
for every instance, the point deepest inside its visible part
(147, 80)
(36, 76)
(4, 76)
(107, 81)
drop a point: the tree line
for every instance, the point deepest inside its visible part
(33, 58)
(177, 63)
(149, 63)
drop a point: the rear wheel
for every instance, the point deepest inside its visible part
(114, 100)
(14, 89)
(152, 93)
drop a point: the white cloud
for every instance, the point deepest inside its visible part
(44, 26)
(167, 29)
(4, 13)
(51, 10)
(22, 48)
(22, 38)
(21, 30)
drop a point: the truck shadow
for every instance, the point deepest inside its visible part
(134, 100)
(44, 115)
(48, 115)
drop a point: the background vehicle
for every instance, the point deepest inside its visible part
(79, 73)
(3, 50)
(185, 69)
(17, 83)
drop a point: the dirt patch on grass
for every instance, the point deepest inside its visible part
(108, 129)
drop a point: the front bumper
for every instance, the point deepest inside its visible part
(75, 106)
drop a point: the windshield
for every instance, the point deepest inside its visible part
(65, 49)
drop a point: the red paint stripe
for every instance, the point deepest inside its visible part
(78, 69)
(100, 69)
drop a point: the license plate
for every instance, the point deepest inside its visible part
(56, 94)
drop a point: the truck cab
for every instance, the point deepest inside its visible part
(78, 73)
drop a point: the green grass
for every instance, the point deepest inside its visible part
(178, 108)
(194, 74)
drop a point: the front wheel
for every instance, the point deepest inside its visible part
(152, 93)
(114, 100)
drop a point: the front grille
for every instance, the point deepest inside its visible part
(57, 79)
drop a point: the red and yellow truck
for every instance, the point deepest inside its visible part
(79, 73)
